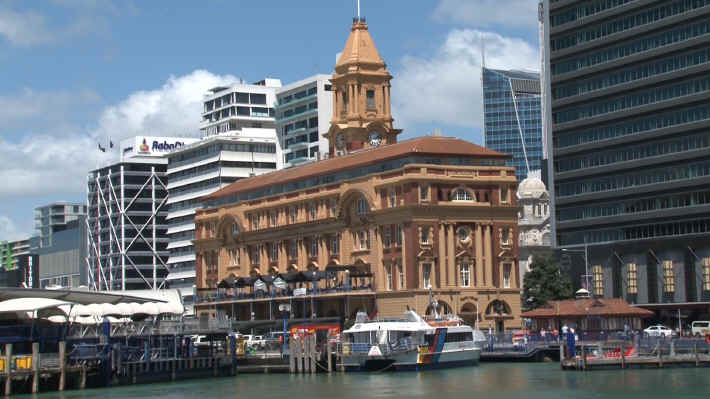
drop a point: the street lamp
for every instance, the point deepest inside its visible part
(586, 263)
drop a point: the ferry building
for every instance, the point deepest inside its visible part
(377, 227)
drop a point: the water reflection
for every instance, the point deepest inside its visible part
(508, 380)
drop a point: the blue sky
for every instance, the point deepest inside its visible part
(75, 72)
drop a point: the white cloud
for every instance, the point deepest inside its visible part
(56, 161)
(446, 87)
(9, 231)
(515, 14)
(24, 28)
(173, 109)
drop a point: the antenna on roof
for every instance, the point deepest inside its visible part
(358, 10)
(483, 53)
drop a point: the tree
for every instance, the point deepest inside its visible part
(544, 282)
(9, 261)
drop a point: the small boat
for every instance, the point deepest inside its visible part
(412, 343)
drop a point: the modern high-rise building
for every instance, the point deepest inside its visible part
(231, 108)
(512, 117)
(303, 113)
(63, 264)
(629, 166)
(127, 209)
(54, 217)
(200, 169)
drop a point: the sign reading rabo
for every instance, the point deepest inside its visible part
(155, 146)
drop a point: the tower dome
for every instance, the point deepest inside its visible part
(531, 187)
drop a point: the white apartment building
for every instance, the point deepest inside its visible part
(54, 217)
(126, 221)
(303, 113)
(239, 141)
(231, 108)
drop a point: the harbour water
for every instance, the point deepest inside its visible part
(489, 380)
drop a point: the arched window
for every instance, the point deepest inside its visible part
(498, 308)
(462, 195)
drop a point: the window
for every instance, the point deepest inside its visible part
(274, 249)
(462, 195)
(423, 193)
(400, 275)
(363, 238)
(314, 247)
(507, 268)
(234, 256)
(398, 235)
(631, 278)
(255, 254)
(424, 238)
(235, 229)
(426, 275)
(254, 222)
(463, 234)
(334, 245)
(706, 274)
(333, 207)
(668, 277)
(392, 198)
(386, 236)
(370, 95)
(273, 219)
(505, 236)
(504, 194)
(597, 280)
(465, 270)
(314, 212)
(388, 280)
(292, 214)
(293, 249)
(361, 206)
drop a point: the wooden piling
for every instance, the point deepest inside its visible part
(562, 356)
(695, 352)
(82, 378)
(291, 357)
(330, 357)
(622, 357)
(314, 355)
(172, 370)
(62, 365)
(297, 352)
(35, 367)
(8, 369)
(214, 366)
(584, 358)
(660, 356)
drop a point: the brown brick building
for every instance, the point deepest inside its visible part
(373, 227)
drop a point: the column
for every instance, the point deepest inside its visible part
(487, 249)
(283, 257)
(376, 258)
(404, 258)
(442, 250)
(479, 257)
(451, 255)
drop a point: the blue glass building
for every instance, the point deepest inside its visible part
(512, 117)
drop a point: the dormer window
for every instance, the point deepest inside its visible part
(462, 195)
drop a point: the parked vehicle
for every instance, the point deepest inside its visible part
(700, 328)
(658, 331)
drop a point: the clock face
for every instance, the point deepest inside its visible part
(375, 139)
(340, 141)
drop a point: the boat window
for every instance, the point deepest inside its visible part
(459, 337)
(361, 337)
(429, 339)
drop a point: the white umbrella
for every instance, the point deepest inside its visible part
(164, 308)
(96, 309)
(57, 319)
(80, 311)
(149, 308)
(125, 309)
(177, 308)
(109, 309)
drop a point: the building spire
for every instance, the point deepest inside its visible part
(358, 10)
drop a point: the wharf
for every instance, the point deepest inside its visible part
(653, 353)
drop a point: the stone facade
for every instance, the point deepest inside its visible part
(533, 221)
(429, 216)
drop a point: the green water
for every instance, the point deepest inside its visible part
(489, 380)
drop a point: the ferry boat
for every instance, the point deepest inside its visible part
(410, 344)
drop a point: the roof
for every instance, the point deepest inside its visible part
(426, 145)
(587, 307)
(79, 297)
(516, 74)
(359, 48)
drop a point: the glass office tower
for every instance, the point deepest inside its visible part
(512, 117)
(630, 161)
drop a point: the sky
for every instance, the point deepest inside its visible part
(74, 73)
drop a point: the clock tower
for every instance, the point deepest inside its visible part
(362, 115)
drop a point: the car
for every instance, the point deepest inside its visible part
(700, 328)
(658, 331)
